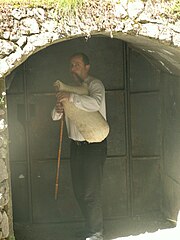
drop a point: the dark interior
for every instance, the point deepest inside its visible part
(141, 174)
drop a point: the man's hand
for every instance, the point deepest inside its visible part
(59, 108)
(62, 96)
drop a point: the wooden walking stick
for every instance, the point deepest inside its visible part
(59, 155)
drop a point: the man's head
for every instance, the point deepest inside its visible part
(79, 66)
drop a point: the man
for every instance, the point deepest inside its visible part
(86, 159)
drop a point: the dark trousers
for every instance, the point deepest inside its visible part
(87, 160)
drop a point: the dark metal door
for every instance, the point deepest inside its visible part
(34, 156)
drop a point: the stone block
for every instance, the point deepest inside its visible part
(135, 8)
(4, 194)
(0, 217)
(6, 48)
(5, 225)
(176, 39)
(3, 171)
(29, 26)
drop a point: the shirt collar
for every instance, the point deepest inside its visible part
(87, 79)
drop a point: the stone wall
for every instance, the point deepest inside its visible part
(5, 209)
(24, 31)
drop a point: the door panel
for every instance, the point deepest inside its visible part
(115, 188)
(143, 75)
(43, 131)
(116, 120)
(45, 207)
(20, 194)
(15, 81)
(145, 124)
(146, 194)
(17, 127)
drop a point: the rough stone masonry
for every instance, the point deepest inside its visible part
(24, 31)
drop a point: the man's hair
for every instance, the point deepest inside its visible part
(84, 57)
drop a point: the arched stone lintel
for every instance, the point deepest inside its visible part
(40, 41)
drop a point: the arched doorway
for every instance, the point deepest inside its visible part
(131, 176)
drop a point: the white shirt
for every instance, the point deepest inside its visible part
(93, 102)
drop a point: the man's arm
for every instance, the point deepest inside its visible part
(91, 102)
(57, 112)
(55, 116)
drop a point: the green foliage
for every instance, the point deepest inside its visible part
(172, 6)
(58, 4)
(173, 10)
(176, 8)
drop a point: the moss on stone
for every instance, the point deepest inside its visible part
(59, 4)
(175, 10)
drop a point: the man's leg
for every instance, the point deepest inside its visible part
(87, 163)
(94, 157)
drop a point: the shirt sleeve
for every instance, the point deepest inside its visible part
(56, 116)
(91, 102)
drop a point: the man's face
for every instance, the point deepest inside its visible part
(78, 68)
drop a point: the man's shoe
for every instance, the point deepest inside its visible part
(96, 236)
